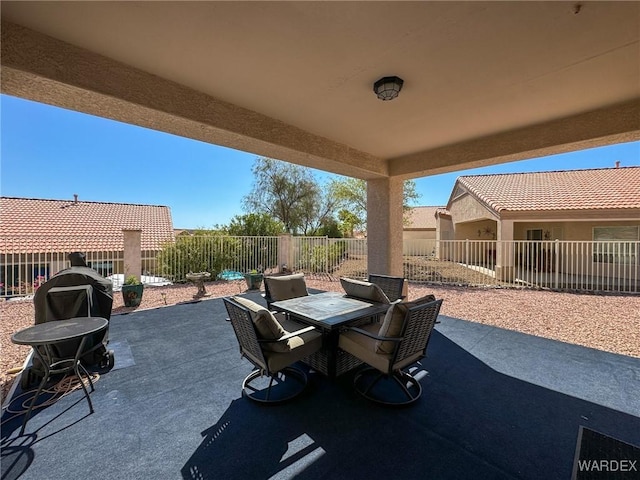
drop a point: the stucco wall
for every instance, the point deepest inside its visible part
(480, 230)
(444, 229)
(419, 246)
(419, 234)
(466, 209)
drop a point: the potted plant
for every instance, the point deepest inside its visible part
(132, 291)
(253, 279)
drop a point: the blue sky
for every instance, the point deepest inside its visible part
(48, 152)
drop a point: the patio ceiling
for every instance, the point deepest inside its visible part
(485, 82)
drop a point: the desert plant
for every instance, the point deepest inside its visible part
(132, 280)
(198, 253)
(132, 291)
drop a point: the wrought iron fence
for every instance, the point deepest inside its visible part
(451, 262)
(215, 254)
(26, 262)
(330, 256)
(583, 266)
(560, 265)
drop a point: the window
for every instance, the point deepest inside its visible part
(103, 268)
(40, 275)
(615, 244)
(22, 279)
(534, 234)
(10, 279)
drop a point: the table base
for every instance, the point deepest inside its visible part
(65, 367)
(321, 361)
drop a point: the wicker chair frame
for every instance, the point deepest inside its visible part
(253, 386)
(418, 325)
(391, 286)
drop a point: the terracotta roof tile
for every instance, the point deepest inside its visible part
(594, 189)
(422, 217)
(65, 225)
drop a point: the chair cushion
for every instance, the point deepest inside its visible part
(364, 290)
(267, 325)
(286, 286)
(393, 322)
(364, 348)
(250, 305)
(301, 346)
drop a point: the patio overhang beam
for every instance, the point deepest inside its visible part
(47, 70)
(606, 126)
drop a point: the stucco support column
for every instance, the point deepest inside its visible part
(505, 251)
(384, 226)
(285, 254)
(132, 253)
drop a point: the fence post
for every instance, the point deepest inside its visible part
(556, 254)
(132, 253)
(505, 252)
(327, 244)
(285, 246)
(466, 251)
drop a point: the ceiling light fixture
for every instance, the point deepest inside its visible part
(388, 88)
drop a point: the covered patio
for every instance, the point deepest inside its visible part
(484, 82)
(496, 404)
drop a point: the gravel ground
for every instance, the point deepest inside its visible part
(604, 322)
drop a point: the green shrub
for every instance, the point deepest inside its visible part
(132, 280)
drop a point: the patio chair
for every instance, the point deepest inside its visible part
(391, 286)
(363, 290)
(272, 345)
(390, 349)
(284, 287)
(366, 291)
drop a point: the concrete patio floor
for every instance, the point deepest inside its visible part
(495, 404)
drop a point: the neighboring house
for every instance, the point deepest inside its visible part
(36, 235)
(595, 205)
(183, 231)
(420, 225)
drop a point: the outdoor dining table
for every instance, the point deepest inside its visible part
(329, 311)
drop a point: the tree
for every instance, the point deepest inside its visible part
(254, 224)
(409, 197)
(330, 228)
(351, 197)
(289, 193)
(318, 213)
(348, 222)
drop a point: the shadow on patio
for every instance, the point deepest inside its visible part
(496, 404)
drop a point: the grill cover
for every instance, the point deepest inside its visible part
(56, 299)
(77, 291)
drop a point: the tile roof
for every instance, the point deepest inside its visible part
(593, 189)
(36, 225)
(442, 211)
(422, 218)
